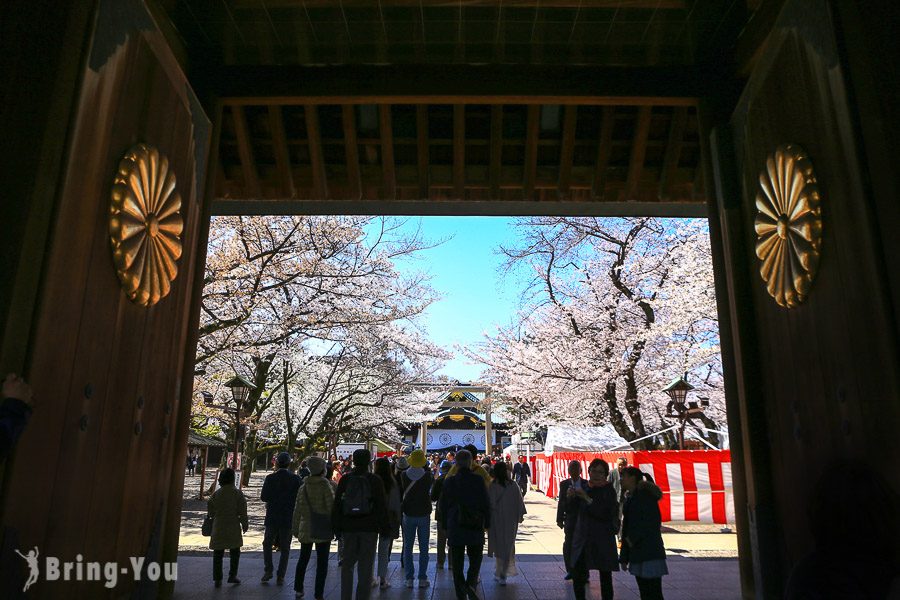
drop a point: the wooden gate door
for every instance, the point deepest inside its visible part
(97, 474)
(812, 311)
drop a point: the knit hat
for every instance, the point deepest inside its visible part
(316, 465)
(417, 459)
(446, 465)
(283, 460)
(402, 463)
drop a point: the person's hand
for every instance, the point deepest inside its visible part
(15, 387)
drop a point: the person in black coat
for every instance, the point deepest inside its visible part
(14, 412)
(594, 543)
(279, 492)
(522, 474)
(568, 508)
(643, 553)
(466, 512)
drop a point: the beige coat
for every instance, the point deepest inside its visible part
(318, 493)
(507, 510)
(228, 509)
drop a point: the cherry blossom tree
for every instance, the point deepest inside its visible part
(315, 312)
(614, 310)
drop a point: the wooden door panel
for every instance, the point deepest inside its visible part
(830, 383)
(92, 474)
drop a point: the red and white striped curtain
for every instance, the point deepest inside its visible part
(696, 484)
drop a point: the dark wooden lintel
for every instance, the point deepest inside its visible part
(464, 84)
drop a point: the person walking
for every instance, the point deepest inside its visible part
(311, 525)
(508, 510)
(228, 510)
(386, 539)
(615, 478)
(466, 511)
(522, 474)
(303, 473)
(436, 489)
(568, 509)
(594, 543)
(415, 493)
(358, 516)
(643, 553)
(279, 492)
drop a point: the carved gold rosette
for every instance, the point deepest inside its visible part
(145, 225)
(788, 225)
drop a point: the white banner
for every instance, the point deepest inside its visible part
(448, 438)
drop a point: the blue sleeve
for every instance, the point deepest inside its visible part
(14, 416)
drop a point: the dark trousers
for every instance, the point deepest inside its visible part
(283, 538)
(359, 555)
(523, 485)
(441, 544)
(651, 589)
(322, 551)
(465, 586)
(580, 578)
(567, 548)
(234, 557)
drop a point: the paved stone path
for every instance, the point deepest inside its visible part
(701, 562)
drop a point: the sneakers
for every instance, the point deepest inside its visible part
(267, 577)
(233, 579)
(423, 583)
(409, 583)
(385, 584)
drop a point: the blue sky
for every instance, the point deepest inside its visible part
(464, 271)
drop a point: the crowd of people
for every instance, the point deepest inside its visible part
(367, 505)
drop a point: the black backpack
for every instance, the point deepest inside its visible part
(357, 499)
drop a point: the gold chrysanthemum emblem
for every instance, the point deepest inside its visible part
(788, 225)
(145, 225)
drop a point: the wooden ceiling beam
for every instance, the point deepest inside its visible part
(245, 151)
(667, 4)
(533, 132)
(459, 151)
(387, 151)
(280, 149)
(224, 206)
(673, 151)
(423, 157)
(496, 149)
(604, 150)
(638, 151)
(463, 84)
(317, 160)
(567, 150)
(351, 151)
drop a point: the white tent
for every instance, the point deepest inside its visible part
(568, 438)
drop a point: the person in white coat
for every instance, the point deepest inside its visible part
(507, 512)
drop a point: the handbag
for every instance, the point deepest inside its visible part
(206, 528)
(319, 523)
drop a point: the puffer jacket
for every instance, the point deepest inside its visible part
(318, 493)
(228, 509)
(641, 523)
